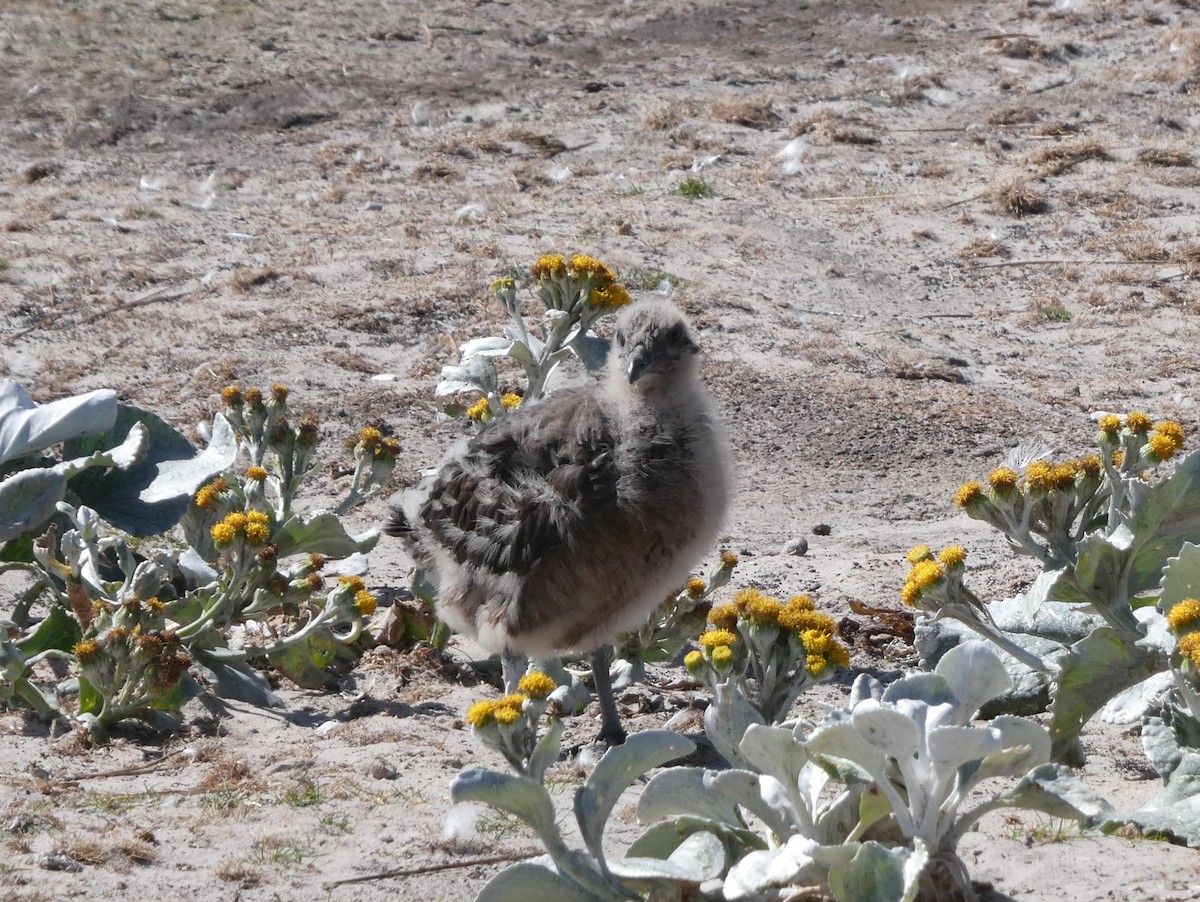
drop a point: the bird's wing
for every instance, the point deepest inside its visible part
(524, 484)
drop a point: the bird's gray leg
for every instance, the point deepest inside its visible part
(611, 731)
(513, 665)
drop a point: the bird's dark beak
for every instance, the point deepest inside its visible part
(637, 363)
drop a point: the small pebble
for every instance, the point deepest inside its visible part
(56, 861)
(382, 770)
(797, 547)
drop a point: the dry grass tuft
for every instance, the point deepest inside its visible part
(245, 278)
(1017, 197)
(1014, 115)
(828, 127)
(436, 170)
(751, 112)
(977, 248)
(238, 872)
(1022, 47)
(1059, 158)
(1162, 156)
(1145, 250)
(229, 771)
(84, 849)
(671, 116)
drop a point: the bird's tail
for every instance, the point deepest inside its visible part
(397, 524)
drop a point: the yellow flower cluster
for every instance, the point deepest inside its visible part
(952, 555)
(548, 266)
(1137, 422)
(364, 602)
(504, 711)
(696, 587)
(714, 638)
(968, 493)
(254, 525)
(1184, 620)
(256, 474)
(1165, 440)
(536, 685)
(482, 410)
(582, 266)
(927, 570)
(612, 297)
(206, 497)
(479, 410)
(797, 616)
(1184, 616)
(1189, 647)
(1161, 444)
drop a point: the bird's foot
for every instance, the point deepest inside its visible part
(611, 735)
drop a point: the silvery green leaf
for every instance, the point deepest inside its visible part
(953, 746)
(489, 347)
(520, 796)
(1174, 812)
(27, 427)
(1093, 671)
(1055, 790)
(763, 796)
(1159, 636)
(115, 494)
(321, 532)
(877, 873)
(1164, 516)
(1101, 572)
(1181, 578)
(625, 673)
(183, 476)
(534, 881)
(865, 686)
(1131, 705)
(617, 770)
(546, 751)
(727, 719)
(888, 730)
(687, 790)
(125, 455)
(701, 856)
(195, 569)
(234, 679)
(1027, 740)
(591, 349)
(925, 688)
(975, 675)
(534, 344)
(474, 374)
(1161, 746)
(792, 864)
(28, 499)
(658, 842)
(843, 741)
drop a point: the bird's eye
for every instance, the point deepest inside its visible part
(676, 332)
(620, 339)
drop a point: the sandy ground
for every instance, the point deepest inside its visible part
(934, 229)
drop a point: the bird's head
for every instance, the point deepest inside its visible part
(653, 348)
